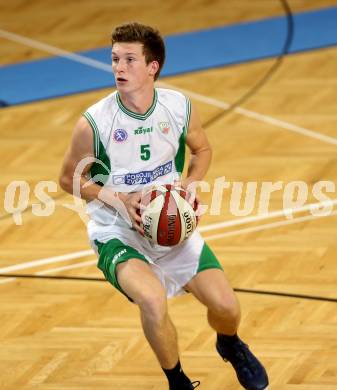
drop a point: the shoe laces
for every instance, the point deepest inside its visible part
(243, 356)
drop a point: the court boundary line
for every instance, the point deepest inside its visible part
(51, 270)
(261, 217)
(267, 226)
(211, 101)
(48, 260)
(74, 255)
(237, 289)
(67, 267)
(202, 229)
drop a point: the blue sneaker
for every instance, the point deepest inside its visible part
(250, 372)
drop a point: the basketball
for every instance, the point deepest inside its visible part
(167, 217)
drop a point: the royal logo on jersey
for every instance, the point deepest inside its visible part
(120, 135)
(143, 130)
(164, 127)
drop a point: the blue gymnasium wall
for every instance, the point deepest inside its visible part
(189, 52)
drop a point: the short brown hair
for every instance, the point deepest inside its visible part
(153, 44)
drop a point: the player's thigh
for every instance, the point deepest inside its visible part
(140, 283)
(212, 288)
(127, 267)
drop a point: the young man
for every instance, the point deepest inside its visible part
(135, 137)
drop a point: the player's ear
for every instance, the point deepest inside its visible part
(154, 67)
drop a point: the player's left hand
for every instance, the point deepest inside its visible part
(190, 187)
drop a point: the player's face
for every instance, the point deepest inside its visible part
(129, 67)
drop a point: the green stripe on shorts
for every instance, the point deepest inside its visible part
(111, 254)
(207, 259)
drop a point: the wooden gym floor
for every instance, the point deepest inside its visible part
(64, 334)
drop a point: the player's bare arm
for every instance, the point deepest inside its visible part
(200, 158)
(81, 147)
(201, 151)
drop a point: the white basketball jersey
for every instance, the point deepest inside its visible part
(134, 150)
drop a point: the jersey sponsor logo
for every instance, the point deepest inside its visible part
(142, 130)
(120, 135)
(143, 177)
(118, 255)
(164, 127)
(118, 179)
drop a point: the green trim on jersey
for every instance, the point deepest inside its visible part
(94, 127)
(98, 171)
(111, 254)
(188, 113)
(207, 259)
(179, 160)
(134, 114)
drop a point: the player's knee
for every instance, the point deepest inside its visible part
(228, 308)
(153, 305)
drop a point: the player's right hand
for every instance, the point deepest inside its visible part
(132, 204)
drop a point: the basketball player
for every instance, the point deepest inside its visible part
(135, 137)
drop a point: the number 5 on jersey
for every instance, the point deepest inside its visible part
(145, 153)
